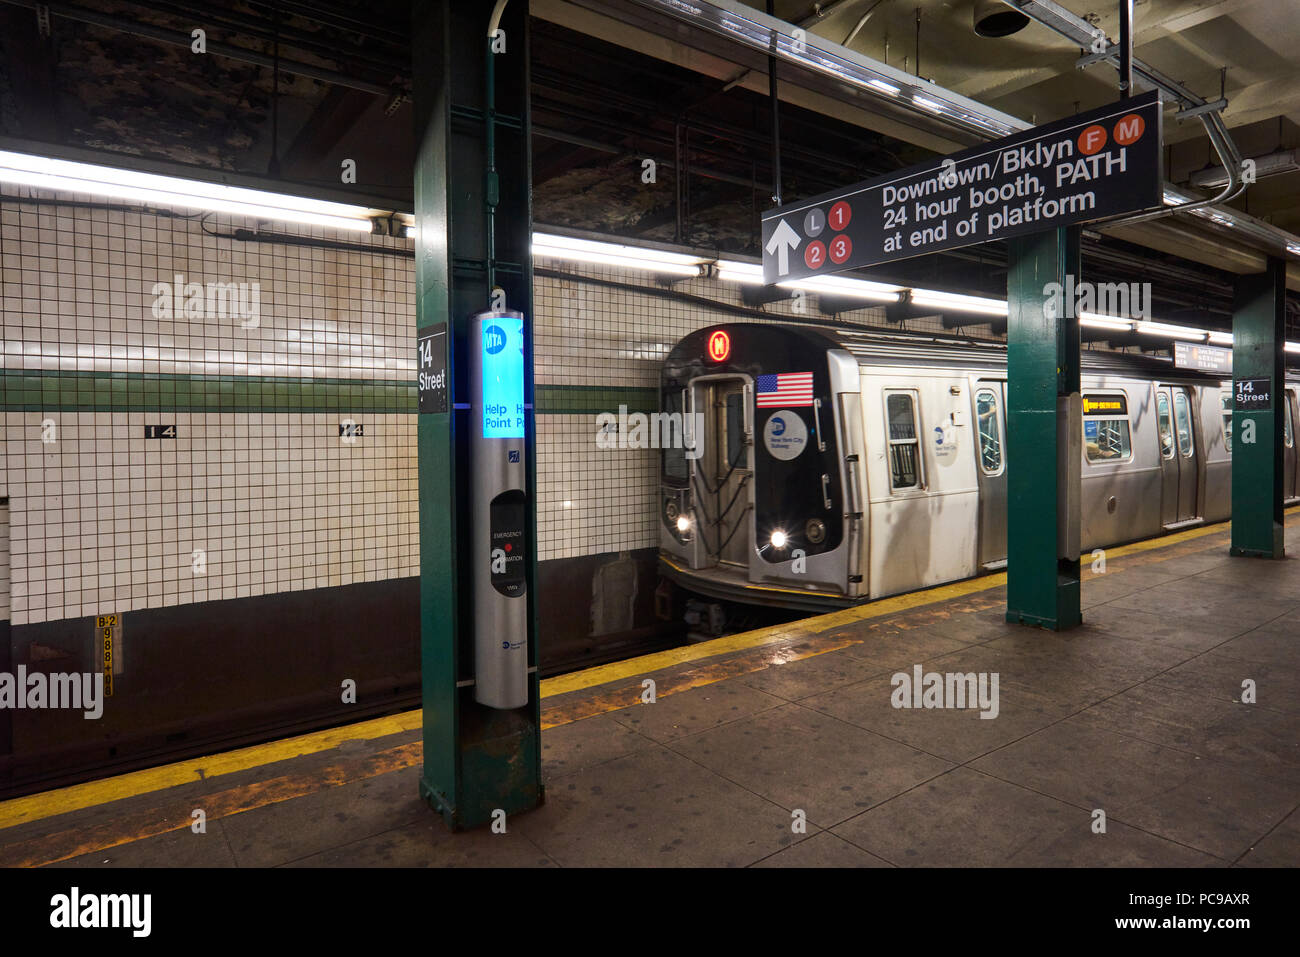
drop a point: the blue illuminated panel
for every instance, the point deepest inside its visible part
(503, 378)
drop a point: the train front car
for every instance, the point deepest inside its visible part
(761, 501)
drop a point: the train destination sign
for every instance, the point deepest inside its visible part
(1188, 355)
(1102, 163)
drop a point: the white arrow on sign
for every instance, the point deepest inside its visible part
(783, 240)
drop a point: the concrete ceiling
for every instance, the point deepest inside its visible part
(1032, 74)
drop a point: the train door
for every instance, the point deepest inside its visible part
(1290, 449)
(724, 474)
(990, 398)
(1179, 455)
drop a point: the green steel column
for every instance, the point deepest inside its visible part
(1258, 341)
(477, 760)
(1042, 381)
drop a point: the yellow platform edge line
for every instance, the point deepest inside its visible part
(105, 790)
(34, 807)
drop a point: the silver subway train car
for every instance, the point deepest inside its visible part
(832, 466)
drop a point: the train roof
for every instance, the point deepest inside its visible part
(902, 347)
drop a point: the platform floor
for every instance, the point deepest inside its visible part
(1137, 714)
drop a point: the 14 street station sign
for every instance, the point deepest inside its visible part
(1097, 164)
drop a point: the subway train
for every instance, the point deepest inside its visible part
(821, 467)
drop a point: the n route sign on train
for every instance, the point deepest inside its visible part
(1102, 163)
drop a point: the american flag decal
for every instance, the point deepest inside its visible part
(785, 390)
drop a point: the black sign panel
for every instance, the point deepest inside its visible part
(508, 519)
(1189, 355)
(1253, 395)
(160, 431)
(431, 363)
(1097, 164)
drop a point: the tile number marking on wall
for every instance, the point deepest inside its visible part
(108, 630)
(160, 431)
(351, 429)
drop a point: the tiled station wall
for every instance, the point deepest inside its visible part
(256, 489)
(257, 477)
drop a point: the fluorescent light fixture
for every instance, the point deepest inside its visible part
(846, 286)
(43, 172)
(926, 104)
(1095, 321)
(1220, 338)
(1293, 248)
(958, 303)
(615, 254)
(751, 274)
(1283, 161)
(742, 23)
(1171, 332)
(884, 87)
(1292, 347)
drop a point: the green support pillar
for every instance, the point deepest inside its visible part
(473, 221)
(1043, 433)
(1258, 343)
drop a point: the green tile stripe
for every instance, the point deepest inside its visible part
(27, 390)
(594, 399)
(30, 390)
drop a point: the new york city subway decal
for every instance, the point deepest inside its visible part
(1097, 164)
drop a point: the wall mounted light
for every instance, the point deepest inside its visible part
(43, 172)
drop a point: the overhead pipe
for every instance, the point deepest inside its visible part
(1079, 31)
(773, 94)
(1125, 49)
(862, 22)
(491, 182)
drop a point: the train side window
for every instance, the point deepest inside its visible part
(1166, 424)
(1183, 424)
(904, 446)
(1106, 436)
(1225, 412)
(990, 431)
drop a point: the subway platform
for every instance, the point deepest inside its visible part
(1123, 743)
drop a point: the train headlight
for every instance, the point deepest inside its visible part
(683, 524)
(778, 539)
(815, 530)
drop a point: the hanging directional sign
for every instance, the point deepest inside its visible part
(1093, 165)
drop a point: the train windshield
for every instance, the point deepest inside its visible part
(675, 467)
